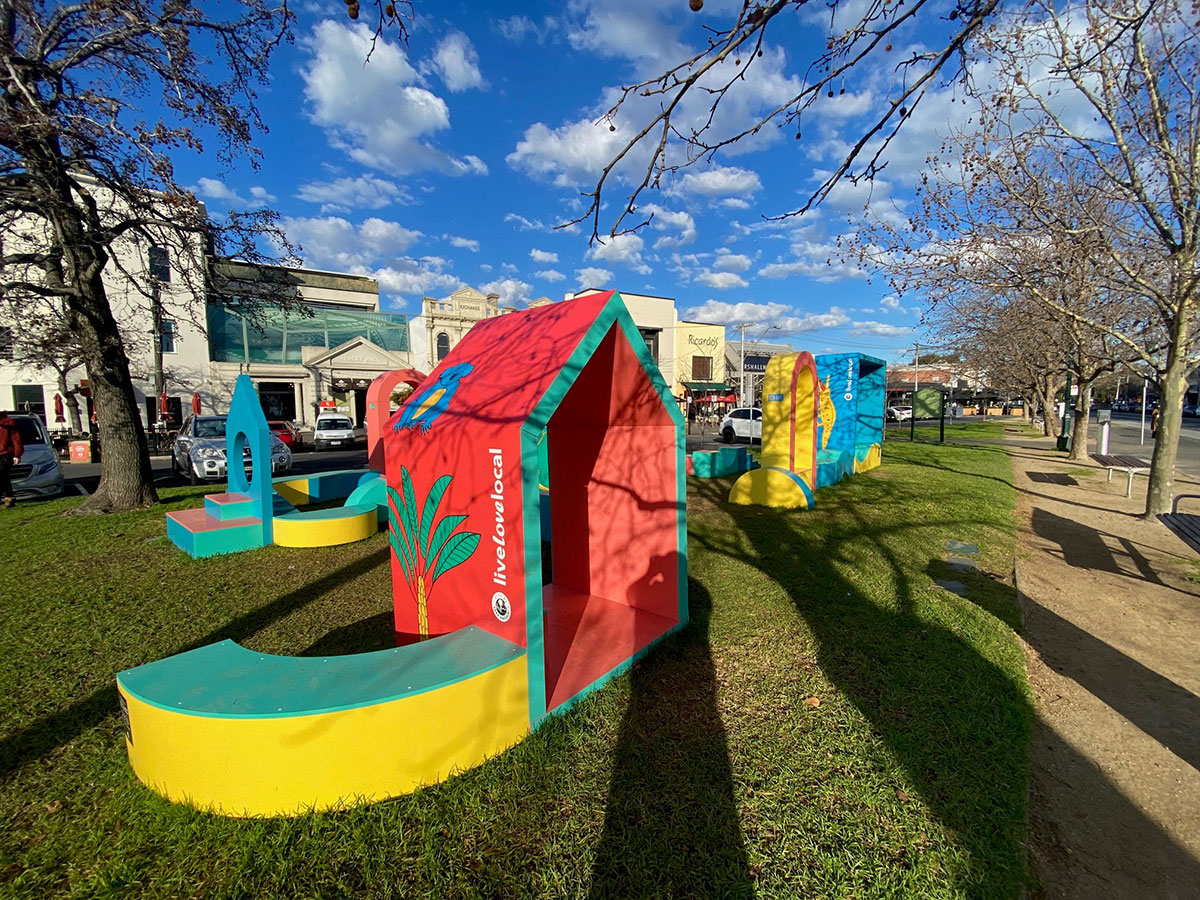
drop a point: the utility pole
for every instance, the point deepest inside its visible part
(916, 370)
(160, 273)
(742, 364)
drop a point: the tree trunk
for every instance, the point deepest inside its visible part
(126, 481)
(70, 401)
(1079, 427)
(1171, 387)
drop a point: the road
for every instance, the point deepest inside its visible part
(83, 477)
(1123, 439)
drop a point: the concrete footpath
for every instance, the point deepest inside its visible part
(1112, 626)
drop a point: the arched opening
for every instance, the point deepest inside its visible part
(443, 345)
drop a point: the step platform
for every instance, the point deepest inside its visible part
(200, 534)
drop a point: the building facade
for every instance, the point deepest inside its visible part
(746, 363)
(443, 322)
(656, 321)
(322, 354)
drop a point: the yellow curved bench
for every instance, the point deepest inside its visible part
(326, 527)
(242, 733)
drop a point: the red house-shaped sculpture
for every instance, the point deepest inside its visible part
(586, 578)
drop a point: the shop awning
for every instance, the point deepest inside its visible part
(706, 387)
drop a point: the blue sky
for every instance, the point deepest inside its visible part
(447, 163)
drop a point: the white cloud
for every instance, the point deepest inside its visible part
(731, 262)
(719, 181)
(456, 61)
(347, 194)
(543, 256)
(551, 275)
(463, 243)
(334, 243)
(767, 314)
(624, 249)
(668, 219)
(508, 267)
(860, 329)
(722, 281)
(378, 113)
(418, 281)
(211, 189)
(891, 301)
(511, 290)
(592, 277)
(261, 195)
(516, 28)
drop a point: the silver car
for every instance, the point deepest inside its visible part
(198, 454)
(39, 473)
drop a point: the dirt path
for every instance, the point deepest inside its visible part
(1113, 631)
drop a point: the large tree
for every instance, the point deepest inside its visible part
(86, 176)
(1078, 184)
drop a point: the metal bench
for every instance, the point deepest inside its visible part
(1130, 465)
(1185, 526)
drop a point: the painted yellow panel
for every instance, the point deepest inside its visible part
(283, 766)
(294, 492)
(873, 458)
(292, 531)
(771, 486)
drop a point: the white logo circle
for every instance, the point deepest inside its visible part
(848, 396)
(501, 607)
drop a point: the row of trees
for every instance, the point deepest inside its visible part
(1059, 230)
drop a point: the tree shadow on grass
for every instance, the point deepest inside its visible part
(671, 825)
(957, 723)
(48, 733)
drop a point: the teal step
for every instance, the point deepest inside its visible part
(199, 535)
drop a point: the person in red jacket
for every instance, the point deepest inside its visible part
(11, 449)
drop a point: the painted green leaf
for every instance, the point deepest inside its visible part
(408, 559)
(409, 510)
(440, 534)
(457, 551)
(430, 512)
(400, 554)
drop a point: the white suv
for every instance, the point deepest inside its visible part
(333, 431)
(742, 423)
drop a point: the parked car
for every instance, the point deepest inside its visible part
(333, 431)
(198, 454)
(285, 433)
(899, 413)
(742, 424)
(39, 473)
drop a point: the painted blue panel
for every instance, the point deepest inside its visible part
(856, 384)
(246, 427)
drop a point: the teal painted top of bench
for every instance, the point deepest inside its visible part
(225, 680)
(331, 513)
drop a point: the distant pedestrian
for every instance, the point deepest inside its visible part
(1154, 417)
(11, 449)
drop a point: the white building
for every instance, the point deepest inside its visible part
(299, 361)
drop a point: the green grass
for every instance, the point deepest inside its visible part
(702, 773)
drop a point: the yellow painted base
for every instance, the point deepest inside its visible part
(259, 766)
(770, 486)
(290, 531)
(294, 491)
(872, 460)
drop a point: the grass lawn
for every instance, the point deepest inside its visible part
(702, 773)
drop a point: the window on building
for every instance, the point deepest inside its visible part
(650, 336)
(160, 264)
(168, 336)
(701, 368)
(6, 344)
(443, 345)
